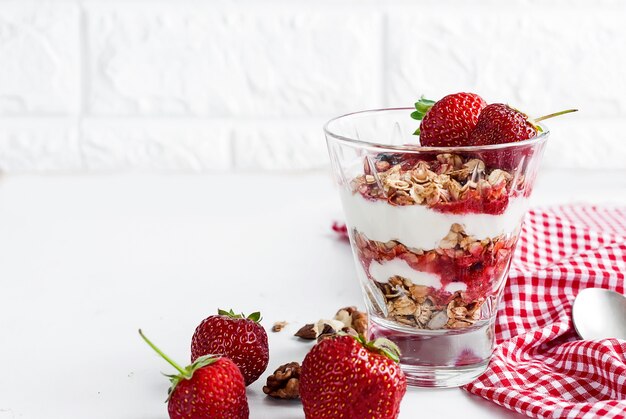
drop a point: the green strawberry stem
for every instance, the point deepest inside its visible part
(552, 115)
(183, 371)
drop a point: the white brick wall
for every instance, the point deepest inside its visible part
(190, 85)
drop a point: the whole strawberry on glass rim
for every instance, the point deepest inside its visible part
(239, 337)
(211, 387)
(465, 119)
(348, 377)
(449, 121)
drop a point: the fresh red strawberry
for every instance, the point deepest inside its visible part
(240, 338)
(211, 387)
(346, 377)
(448, 122)
(499, 123)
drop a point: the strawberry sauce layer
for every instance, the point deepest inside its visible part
(477, 205)
(480, 266)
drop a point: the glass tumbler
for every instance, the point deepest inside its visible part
(432, 230)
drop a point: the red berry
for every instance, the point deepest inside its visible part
(241, 339)
(499, 123)
(451, 120)
(214, 391)
(211, 387)
(346, 377)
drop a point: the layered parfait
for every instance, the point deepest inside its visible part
(434, 236)
(434, 230)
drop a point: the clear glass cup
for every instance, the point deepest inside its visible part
(432, 230)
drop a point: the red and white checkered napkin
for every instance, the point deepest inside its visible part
(539, 368)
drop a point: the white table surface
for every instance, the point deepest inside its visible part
(86, 260)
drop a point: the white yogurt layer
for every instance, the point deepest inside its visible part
(421, 227)
(455, 286)
(381, 272)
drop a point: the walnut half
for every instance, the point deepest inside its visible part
(285, 382)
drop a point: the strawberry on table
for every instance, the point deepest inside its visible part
(236, 336)
(211, 387)
(449, 121)
(347, 377)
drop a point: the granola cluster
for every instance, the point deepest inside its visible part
(414, 305)
(449, 178)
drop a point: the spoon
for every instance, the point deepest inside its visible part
(599, 313)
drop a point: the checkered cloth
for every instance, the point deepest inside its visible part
(539, 367)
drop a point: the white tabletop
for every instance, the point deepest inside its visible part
(87, 260)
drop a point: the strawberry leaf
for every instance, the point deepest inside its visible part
(230, 313)
(386, 347)
(421, 108)
(381, 346)
(201, 362)
(255, 317)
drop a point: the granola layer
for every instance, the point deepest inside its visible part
(449, 183)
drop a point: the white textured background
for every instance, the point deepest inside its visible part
(191, 85)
